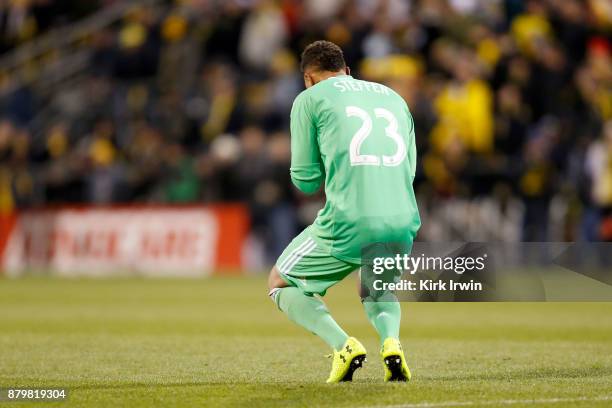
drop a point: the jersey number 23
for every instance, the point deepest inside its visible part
(391, 130)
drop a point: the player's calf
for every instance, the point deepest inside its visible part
(311, 313)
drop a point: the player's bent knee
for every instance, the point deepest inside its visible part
(275, 283)
(274, 279)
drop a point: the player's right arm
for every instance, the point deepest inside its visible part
(306, 167)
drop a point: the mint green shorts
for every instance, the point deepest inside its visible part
(306, 265)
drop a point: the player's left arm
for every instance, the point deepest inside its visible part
(306, 168)
(412, 151)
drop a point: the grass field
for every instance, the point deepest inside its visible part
(221, 342)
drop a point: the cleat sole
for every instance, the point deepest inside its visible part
(394, 364)
(356, 363)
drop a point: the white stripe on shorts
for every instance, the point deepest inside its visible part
(290, 257)
(303, 253)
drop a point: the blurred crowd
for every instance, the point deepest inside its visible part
(188, 101)
(23, 20)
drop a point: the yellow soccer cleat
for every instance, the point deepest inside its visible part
(346, 361)
(394, 361)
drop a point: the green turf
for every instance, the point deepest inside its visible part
(221, 342)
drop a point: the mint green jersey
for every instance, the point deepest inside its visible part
(358, 137)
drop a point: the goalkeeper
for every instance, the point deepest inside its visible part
(357, 138)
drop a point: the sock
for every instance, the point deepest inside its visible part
(385, 317)
(310, 313)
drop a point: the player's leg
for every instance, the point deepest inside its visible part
(302, 272)
(384, 313)
(307, 311)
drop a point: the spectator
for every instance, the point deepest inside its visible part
(189, 100)
(599, 169)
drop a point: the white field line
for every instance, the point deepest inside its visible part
(497, 402)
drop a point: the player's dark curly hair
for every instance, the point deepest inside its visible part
(323, 56)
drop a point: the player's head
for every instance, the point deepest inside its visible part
(321, 60)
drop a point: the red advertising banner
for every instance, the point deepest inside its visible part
(151, 241)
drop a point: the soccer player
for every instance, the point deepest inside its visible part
(358, 138)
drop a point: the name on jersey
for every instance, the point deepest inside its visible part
(358, 86)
